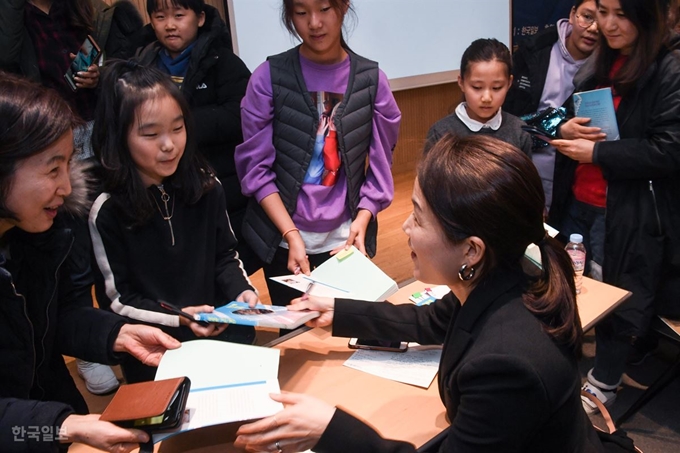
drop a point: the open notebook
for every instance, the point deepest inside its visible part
(347, 275)
(229, 382)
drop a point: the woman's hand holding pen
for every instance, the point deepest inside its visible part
(210, 330)
(324, 305)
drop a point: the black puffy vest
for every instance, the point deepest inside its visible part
(295, 124)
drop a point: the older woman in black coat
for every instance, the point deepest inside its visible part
(45, 284)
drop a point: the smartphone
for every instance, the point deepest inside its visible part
(378, 345)
(538, 133)
(87, 55)
(173, 415)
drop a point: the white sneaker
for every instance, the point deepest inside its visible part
(99, 379)
(607, 397)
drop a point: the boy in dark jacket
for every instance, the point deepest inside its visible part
(193, 46)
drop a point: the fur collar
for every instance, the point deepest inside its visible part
(78, 203)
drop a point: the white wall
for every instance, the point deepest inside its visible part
(416, 42)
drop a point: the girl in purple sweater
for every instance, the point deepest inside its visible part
(300, 224)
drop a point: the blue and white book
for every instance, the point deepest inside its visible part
(598, 105)
(260, 315)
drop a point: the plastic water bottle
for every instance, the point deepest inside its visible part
(577, 252)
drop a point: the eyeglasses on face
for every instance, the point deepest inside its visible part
(584, 20)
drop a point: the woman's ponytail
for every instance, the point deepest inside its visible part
(552, 298)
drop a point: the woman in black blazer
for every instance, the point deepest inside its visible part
(508, 374)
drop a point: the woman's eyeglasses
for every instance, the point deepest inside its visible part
(584, 20)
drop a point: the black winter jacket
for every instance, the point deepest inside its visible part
(507, 385)
(115, 30)
(529, 69)
(214, 85)
(46, 311)
(642, 170)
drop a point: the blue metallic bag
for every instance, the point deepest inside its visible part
(546, 122)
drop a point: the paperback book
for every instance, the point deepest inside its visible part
(598, 105)
(347, 275)
(260, 315)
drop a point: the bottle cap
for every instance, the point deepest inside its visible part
(574, 237)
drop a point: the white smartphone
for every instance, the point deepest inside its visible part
(378, 345)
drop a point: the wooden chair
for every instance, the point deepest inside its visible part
(669, 329)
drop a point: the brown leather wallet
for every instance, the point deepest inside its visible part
(151, 406)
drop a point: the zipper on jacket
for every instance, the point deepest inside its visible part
(47, 309)
(14, 288)
(656, 209)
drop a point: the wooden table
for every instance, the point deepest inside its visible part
(596, 300)
(311, 363)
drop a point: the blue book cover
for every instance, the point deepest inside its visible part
(598, 105)
(261, 315)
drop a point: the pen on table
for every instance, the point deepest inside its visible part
(168, 306)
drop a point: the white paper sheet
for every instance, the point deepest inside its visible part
(417, 366)
(229, 382)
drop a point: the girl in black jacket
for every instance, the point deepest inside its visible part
(160, 230)
(639, 58)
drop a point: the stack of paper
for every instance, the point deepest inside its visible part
(348, 275)
(417, 366)
(229, 382)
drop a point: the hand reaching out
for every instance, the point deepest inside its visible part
(145, 343)
(298, 427)
(324, 305)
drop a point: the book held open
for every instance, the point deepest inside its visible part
(260, 315)
(348, 275)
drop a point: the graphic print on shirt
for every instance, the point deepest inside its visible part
(325, 164)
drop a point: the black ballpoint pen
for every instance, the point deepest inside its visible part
(176, 310)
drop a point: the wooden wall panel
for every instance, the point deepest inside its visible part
(420, 109)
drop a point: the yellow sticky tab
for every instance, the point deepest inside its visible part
(344, 254)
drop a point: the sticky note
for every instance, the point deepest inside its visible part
(344, 254)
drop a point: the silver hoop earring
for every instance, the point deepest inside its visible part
(466, 276)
